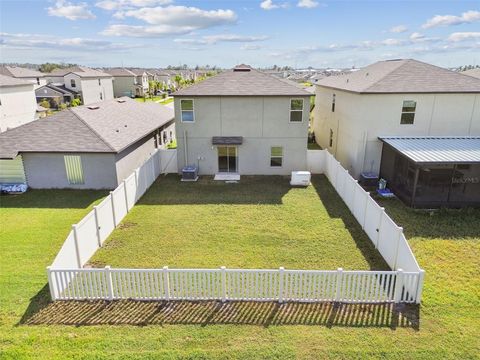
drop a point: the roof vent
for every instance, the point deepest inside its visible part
(367, 74)
(121, 100)
(242, 67)
(94, 107)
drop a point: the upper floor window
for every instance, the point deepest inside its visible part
(38, 81)
(101, 96)
(408, 112)
(99, 82)
(186, 107)
(333, 103)
(72, 82)
(330, 141)
(296, 110)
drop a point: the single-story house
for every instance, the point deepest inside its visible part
(432, 171)
(85, 147)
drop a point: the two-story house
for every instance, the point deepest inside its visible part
(91, 85)
(17, 102)
(37, 78)
(141, 82)
(392, 98)
(242, 121)
(124, 82)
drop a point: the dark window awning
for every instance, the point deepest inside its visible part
(227, 140)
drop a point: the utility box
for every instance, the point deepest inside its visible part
(300, 178)
(190, 173)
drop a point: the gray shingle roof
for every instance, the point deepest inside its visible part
(403, 76)
(119, 72)
(437, 149)
(81, 71)
(473, 72)
(110, 128)
(242, 83)
(8, 81)
(20, 72)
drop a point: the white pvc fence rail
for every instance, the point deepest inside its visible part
(241, 285)
(69, 281)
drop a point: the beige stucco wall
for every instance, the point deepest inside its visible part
(263, 122)
(358, 120)
(90, 88)
(123, 86)
(18, 106)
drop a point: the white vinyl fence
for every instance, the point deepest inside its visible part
(235, 284)
(69, 281)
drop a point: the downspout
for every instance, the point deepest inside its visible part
(185, 146)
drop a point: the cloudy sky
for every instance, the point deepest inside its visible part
(156, 33)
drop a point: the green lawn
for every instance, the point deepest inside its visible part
(34, 225)
(260, 222)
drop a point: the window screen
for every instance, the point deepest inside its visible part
(74, 170)
(276, 156)
(408, 112)
(296, 110)
(187, 110)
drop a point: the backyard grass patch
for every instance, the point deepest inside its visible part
(33, 227)
(260, 222)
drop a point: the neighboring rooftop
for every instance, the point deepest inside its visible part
(473, 72)
(8, 81)
(403, 76)
(81, 71)
(109, 126)
(242, 81)
(436, 149)
(119, 72)
(20, 72)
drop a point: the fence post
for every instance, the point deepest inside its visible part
(338, 292)
(153, 171)
(400, 232)
(421, 278)
(97, 223)
(382, 212)
(398, 286)
(77, 247)
(113, 209)
(137, 178)
(166, 283)
(109, 282)
(50, 283)
(126, 194)
(281, 280)
(224, 283)
(365, 209)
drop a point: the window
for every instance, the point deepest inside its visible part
(408, 112)
(333, 103)
(296, 110)
(330, 143)
(72, 82)
(74, 170)
(187, 110)
(276, 156)
(164, 137)
(38, 81)
(101, 96)
(99, 83)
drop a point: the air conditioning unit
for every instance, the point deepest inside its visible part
(300, 178)
(190, 173)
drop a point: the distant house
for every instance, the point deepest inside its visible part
(55, 94)
(141, 87)
(392, 98)
(124, 82)
(473, 72)
(17, 102)
(85, 147)
(242, 121)
(35, 77)
(91, 85)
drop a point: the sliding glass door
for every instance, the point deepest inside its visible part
(227, 159)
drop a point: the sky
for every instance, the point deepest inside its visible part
(261, 33)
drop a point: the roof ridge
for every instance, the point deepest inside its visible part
(404, 62)
(92, 130)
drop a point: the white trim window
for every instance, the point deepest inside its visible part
(187, 110)
(408, 112)
(74, 169)
(276, 156)
(296, 110)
